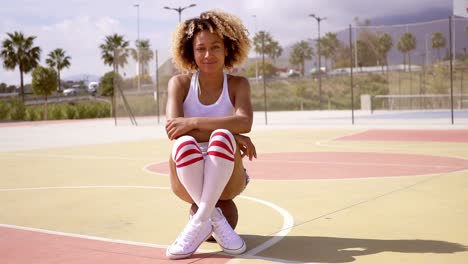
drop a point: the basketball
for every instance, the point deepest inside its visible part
(229, 209)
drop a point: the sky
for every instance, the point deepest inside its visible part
(80, 26)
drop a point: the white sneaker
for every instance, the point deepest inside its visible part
(226, 237)
(190, 239)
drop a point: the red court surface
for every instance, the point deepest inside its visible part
(341, 165)
(27, 247)
(409, 135)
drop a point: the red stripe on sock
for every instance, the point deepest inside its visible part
(221, 155)
(189, 162)
(187, 153)
(219, 133)
(221, 144)
(190, 142)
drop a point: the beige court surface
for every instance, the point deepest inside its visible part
(106, 191)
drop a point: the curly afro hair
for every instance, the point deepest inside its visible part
(227, 26)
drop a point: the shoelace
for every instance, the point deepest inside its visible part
(224, 229)
(189, 234)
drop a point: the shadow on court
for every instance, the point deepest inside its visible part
(341, 250)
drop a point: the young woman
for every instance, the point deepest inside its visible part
(207, 113)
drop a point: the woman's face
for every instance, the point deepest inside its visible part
(209, 51)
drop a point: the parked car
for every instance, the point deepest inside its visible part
(70, 92)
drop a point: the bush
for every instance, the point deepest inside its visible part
(70, 112)
(82, 111)
(4, 111)
(56, 112)
(18, 110)
(92, 111)
(34, 113)
(104, 110)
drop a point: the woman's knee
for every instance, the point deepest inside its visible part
(222, 140)
(185, 146)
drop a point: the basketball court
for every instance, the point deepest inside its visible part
(320, 192)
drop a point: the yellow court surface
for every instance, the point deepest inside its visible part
(316, 195)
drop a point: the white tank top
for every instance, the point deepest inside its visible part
(194, 108)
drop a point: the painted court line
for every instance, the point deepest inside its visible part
(288, 224)
(58, 233)
(44, 155)
(83, 187)
(359, 163)
(410, 135)
(288, 220)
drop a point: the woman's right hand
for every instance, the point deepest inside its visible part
(177, 127)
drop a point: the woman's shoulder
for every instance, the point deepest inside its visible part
(237, 81)
(182, 79)
(179, 85)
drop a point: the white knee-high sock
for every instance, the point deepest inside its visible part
(219, 164)
(189, 165)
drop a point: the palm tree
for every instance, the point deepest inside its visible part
(143, 55)
(329, 45)
(406, 44)
(18, 50)
(384, 45)
(300, 53)
(276, 51)
(438, 42)
(114, 51)
(58, 60)
(271, 48)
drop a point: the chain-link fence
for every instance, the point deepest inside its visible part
(137, 98)
(373, 69)
(386, 68)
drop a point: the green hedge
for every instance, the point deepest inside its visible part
(15, 110)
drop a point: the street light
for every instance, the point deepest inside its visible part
(179, 9)
(138, 44)
(138, 21)
(256, 54)
(319, 58)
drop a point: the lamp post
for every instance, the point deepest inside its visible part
(138, 20)
(137, 44)
(179, 9)
(256, 55)
(319, 58)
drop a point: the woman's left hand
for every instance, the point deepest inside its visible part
(246, 146)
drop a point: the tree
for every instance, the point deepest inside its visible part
(300, 53)
(367, 44)
(143, 54)
(44, 82)
(276, 51)
(58, 60)
(114, 51)
(271, 48)
(438, 42)
(329, 45)
(250, 71)
(384, 45)
(406, 44)
(107, 84)
(18, 50)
